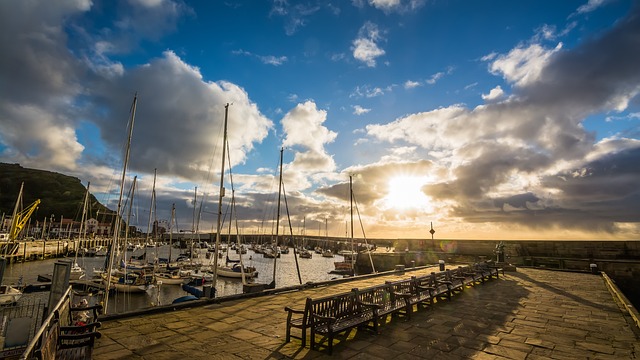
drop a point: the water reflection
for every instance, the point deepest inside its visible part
(311, 270)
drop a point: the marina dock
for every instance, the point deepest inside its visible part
(528, 314)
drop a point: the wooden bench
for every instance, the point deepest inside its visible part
(410, 292)
(300, 321)
(383, 300)
(485, 271)
(331, 315)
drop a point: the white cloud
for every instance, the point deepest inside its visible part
(265, 59)
(590, 6)
(495, 94)
(304, 130)
(368, 91)
(409, 84)
(296, 16)
(359, 110)
(523, 65)
(467, 87)
(389, 6)
(365, 47)
(434, 78)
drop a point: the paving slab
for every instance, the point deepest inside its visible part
(528, 314)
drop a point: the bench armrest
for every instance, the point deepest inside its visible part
(371, 305)
(293, 311)
(404, 295)
(427, 288)
(329, 319)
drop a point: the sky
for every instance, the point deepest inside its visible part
(488, 119)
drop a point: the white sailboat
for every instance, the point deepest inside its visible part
(78, 272)
(9, 295)
(122, 283)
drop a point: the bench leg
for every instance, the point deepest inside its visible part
(330, 343)
(288, 334)
(313, 339)
(304, 336)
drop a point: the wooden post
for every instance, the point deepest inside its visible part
(44, 247)
(24, 252)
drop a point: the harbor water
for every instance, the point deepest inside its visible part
(315, 269)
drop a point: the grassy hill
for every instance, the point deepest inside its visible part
(60, 195)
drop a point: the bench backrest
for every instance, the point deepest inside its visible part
(378, 294)
(337, 306)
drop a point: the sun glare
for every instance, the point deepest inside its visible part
(404, 193)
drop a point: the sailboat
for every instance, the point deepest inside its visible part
(9, 295)
(77, 272)
(346, 267)
(123, 283)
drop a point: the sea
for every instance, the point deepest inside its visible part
(315, 269)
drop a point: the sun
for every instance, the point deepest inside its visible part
(405, 193)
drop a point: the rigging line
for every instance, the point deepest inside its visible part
(286, 206)
(363, 234)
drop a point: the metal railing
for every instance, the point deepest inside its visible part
(59, 312)
(18, 325)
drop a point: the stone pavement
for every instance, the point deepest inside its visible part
(528, 314)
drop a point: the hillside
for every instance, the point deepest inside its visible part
(60, 195)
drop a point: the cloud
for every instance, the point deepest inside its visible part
(524, 152)
(365, 47)
(295, 15)
(523, 65)
(437, 76)
(400, 6)
(370, 91)
(166, 115)
(495, 94)
(265, 59)
(304, 130)
(411, 84)
(590, 6)
(359, 110)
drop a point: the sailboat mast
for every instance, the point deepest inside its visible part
(224, 148)
(116, 229)
(153, 200)
(351, 200)
(83, 227)
(173, 216)
(278, 216)
(14, 217)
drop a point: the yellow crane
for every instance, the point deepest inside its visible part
(20, 218)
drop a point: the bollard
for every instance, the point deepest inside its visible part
(413, 263)
(594, 268)
(441, 262)
(209, 291)
(400, 268)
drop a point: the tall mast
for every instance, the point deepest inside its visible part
(278, 217)
(83, 227)
(171, 220)
(116, 229)
(153, 201)
(220, 196)
(351, 200)
(14, 217)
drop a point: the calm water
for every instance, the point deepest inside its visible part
(311, 270)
